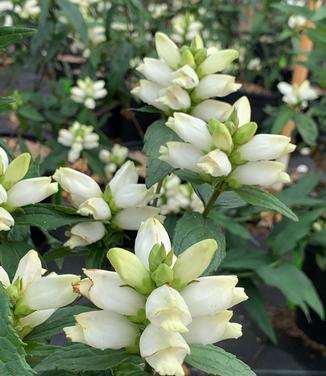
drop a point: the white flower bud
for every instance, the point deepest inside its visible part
(156, 70)
(29, 269)
(265, 147)
(243, 109)
(167, 50)
(148, 92)
(65, 137)
(36, 318)
(95, 207)
(4, 161)
(185, 77)
(216, 85)
(3, 194)
(215, 163)
(131, 218)
(217, 61)
(212, 109)
(85, 233)
(6, 220)
(31, 191)
(174, 97)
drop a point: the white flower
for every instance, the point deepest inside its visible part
(132, 218)
(30, 191)
(215, 85)
(163, 350)
(243, 110)
(295, 95)
(220, 291)
(88, 91)
(4, 161)
(215, 163)
(212, 109)
(36, 318)
(156, 70)
(149, 92)
(166, 308)
(96, 34)
(263, 173)
(6, 220)
(211, 329)
(150, 233)
(266, 147)
(296, 21)
(107, 291)
(85, 233)
(80, 186)
(217, 61)
(185, 77)
(30, 9)
(102, 330)
(167, 50)
(95, 207)
(174, 97)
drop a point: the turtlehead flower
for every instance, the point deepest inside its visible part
(36, 297)
(185, 28)
(15, 191)
(157, 303)
(96, 34)
(175, 196)
(297, 96)
(88, 91)
(113, 158)
(78, 137)
(297, 21)
(229, 150)
(123, 204)
(183, 78)
(29, 9)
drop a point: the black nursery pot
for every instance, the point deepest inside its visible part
(315, 328)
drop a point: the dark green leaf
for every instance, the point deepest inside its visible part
(258, 197)
(5, 102)
(307, 128)
(11, 35)
(216, 361)
(284, 114)
(244, 259)
(192, 228)
(10, 255)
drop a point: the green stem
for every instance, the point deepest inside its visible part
(157, 193)
(211, 201)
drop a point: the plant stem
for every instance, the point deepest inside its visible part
(211, 201)
(158, 190)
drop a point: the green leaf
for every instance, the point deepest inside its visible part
(46, 217)
(80, 357)
(94, 163)
(11, 35)
(307, 128)
(12, 353)
(30, 113)
(294, 284)
(10, 255)
(57, 155)
(255, 306)
(72, 12)
(216, 361)
(258, 197)
(284, 114)
(192, 228)
(54, 325)
(5, 102)
(156, 135)
(244, 259)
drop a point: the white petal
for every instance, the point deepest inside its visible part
(85, 233)
(3, 194)
(4, 161)
(133, 195)
(167, 50)
(131, 218)
(243, 109)
(215, 163)
(4, 278)
(127, 174)
(156, 70)
(31, 191)
(218, 61)
(29, 269)
(95, 207)
(109, 292)
(212, 109)
(174, 97)
(185, 77)
(148, 92)
(6, 220)
(79, 185)
(36, 318)
(216, 85)
(285, 88)
(151, 232)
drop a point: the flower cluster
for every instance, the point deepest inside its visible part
(186, 78)
(16, 192)
(27, 9)
(123, 204)
(176, 196)
(36, 297)
(157, 303)
(78, 137)
(229, 151)
(185, 27)
(297, 95)
(88, 91)
(113, 158)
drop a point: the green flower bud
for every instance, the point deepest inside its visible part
(187, 58)
(197, 43)
(235, 158)
(245, 133)
(234, 118)
(162, 275)
(16, 170)
(231, 127)
(21, 309)
(192, 263)
(222, 138)
(200, 55)
(139, 318)
(156, 256)
(131, 270)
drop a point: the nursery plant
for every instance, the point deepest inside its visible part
(155, 301)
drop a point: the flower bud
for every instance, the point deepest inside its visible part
(222, 138)
(192, 263)
(85, 233)
(200, 56)
(103, 330)
(79, 185)
(156, 70)
(185, 77)
(150, 233)
(187, 58)
(65, 138)
(174, 97)
(181, 155)
(197, 43)
(242, 107)
(265, 147)
(4, 161)
(148, 92)
(215, 163)
(6, 220)
(131, 270)
(215, 85)
(164, 351)
(29, 269)
(35, 318)
(131, 218)
(162, 274)
(167, 50)
(245, 133)
(260, 173)
(95, 207)
(16, 170)
(217, 62)
(190, 129)
(166, 308)
(206, 330)
(212, 109)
